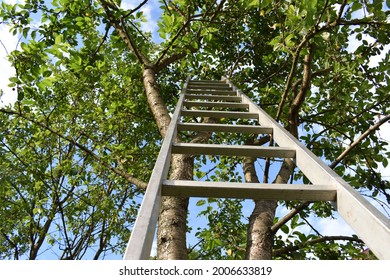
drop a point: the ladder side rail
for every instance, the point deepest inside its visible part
(141, 238)
(368, 222)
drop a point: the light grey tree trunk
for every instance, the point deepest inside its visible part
(260, 238)
(172, 225)
(171, 234)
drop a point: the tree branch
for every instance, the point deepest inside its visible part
(340, 13)
(131, 179)
(235, 64)
(164, 62)
(358, 140)
(135, 9)
(296, 105)
(172, 41)
(292, 248)
(108, 26)
(287, 87)
(120, 27)
(322, 13)
(310, 35)
(289, 216)
(14, 245)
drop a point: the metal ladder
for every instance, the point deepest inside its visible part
(368, 223)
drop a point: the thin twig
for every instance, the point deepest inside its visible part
(131, 179)
(358, 140)
(287, 87)
(292, 248)
(135, 9)
(108, 26)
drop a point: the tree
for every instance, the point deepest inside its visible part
(311, 50)
(94, 96)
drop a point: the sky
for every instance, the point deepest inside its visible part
(8, 42)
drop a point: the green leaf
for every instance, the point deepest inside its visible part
(168, 20)
(285, 229)
(310, 6)
(162, 34)
(33, 34)
(28, 102)
(25, 32)
(20, 95)
(46, 73)
(254, 3)
(58, 39)
(200, 202)
(14, 79)
(385, 162)
(265, 3)
(288, 40)
(24, 46)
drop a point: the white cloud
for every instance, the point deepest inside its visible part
(151, 12)
(13, 2)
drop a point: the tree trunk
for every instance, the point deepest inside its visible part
(171, 234)
(172, 224)
(260, 238)
(155, 101)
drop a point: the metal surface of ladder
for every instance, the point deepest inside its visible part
(368, 223)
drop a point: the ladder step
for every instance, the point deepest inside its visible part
(214, 92)
(216, 104)
(183, 188)
(207, 82)
(208, 86)
(219, 114)
(213, 97)
(232, 150)
(255, 129)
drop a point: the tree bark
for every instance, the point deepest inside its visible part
(155, 101)
(171, 234)
(260, 237)
(172, 224)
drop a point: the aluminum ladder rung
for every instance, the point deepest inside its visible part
(288, 192)
(212, 92)
(203, 81)
(213, 97)
(255, 129)
(206, 82)
(208, 87)
(219, 114)
(232, 105)
(232, 150)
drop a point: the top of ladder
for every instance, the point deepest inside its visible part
(371, 225)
